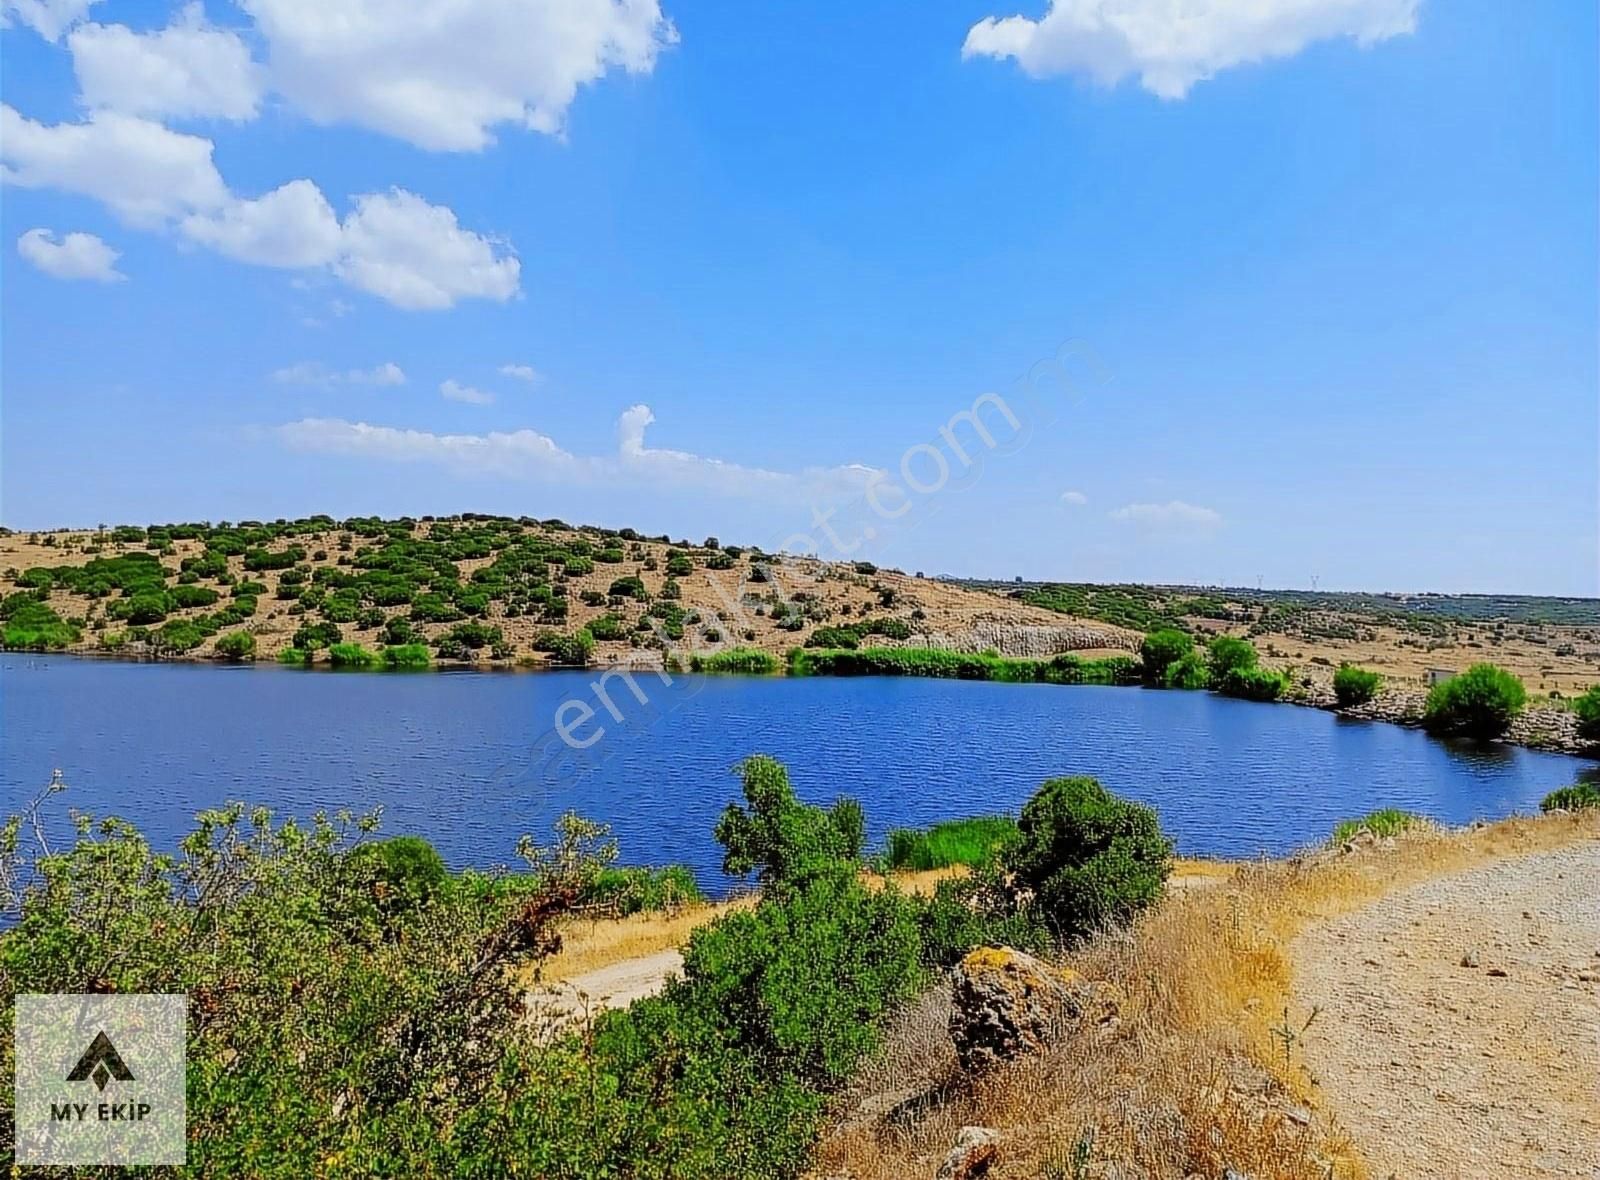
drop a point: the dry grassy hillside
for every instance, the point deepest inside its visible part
(537, 579)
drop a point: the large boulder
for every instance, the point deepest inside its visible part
(1006, 1003)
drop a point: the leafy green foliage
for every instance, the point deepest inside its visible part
(1090, 858)
(351, 655)
(1230, 655)
(575, 650)
(1389, 821)
(236, 645)
(1160, 650)
(972, 842)
(779, 838)
(1480, 703)
(1355, 686)
(937, 662)
(406, 655)
(1577, 797)
(30, 625)
(1190, 672)
(1587, 709)
(636, 889)
(746, 661)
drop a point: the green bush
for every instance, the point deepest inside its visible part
(1089, 858)
(1160, 650)
(1577, 797)
(1355, 686)
(402, 872)
(1229, 655)
(575, 650)
(844, 638)
(607, 627)
(1480, 703)
(972, 842)
(314, 636)
(296, 656)
(1251, 684)
(188, 596)
(747, 661)
(406, 655)
(236, 645)
(351, 655)
(30, 625)
(1390, 821)
(1190, 672)
(635, 889)
(779, 838)
(1587, 709)
(628, 587)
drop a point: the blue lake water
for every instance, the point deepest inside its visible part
(465, 758)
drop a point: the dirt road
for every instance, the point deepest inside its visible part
(1459, 1035)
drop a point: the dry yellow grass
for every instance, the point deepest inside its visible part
(588, 945)
(1202, 1073)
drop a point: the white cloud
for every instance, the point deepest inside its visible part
(413, 254)
(1170, 45)
(394, 245)
(527, 454)
(1172, 514)
(521, 372)
(190, 69)
(145, 173)
(317, 374)
(454, 391)
(1074, 498)
(76, 256)
(443, 73)
(48, 18)
(293, 226)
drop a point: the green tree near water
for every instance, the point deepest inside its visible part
(1480, 703)
(779, 838)
(1160, 650)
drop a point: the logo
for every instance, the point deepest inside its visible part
(100, 1063)
(132, 1048)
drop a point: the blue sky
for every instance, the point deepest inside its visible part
(708, 268)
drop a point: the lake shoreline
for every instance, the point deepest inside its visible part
(1541, 728)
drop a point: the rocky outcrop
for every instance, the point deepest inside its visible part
(1023, 641)
(975, 1150)
(1005, 1003)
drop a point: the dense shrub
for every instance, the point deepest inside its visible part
(1190, 672)
(607, 626)
(1355, 686)
(351, 655)
(571, 650)
(1251, 683)
(1577, 797)
(628, 587)
(32, 626)
(402, 872)
(745, 660)
(938, 662)
(679, 566)
(637, 889)
(1587, 709)
(188, 596)
(236, 645)
(835, 637)
(1089, 858)
(1480, 703)
(1160, 650)
(406, 655)
(313, 636)
(779, 838)
(1229, 655)
(972, 842)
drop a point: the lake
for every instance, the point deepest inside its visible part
(463, 758)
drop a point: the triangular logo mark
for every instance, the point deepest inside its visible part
(100, 1063)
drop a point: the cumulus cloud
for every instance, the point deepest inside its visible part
(190, 69)
(1172, 514)
(393, 245)
(317, 374)
(527, 454)
(143, 172)
(448, 72)
(1170, 46)
(48, 18)
(76, 256)
(400, 248)
(1075, 499)
(454, 391)
(293, 227)
(521, 372)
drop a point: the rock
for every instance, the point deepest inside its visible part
(976, 1148)
(1496, 972)
(1470, 959)
(1005, 1003)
